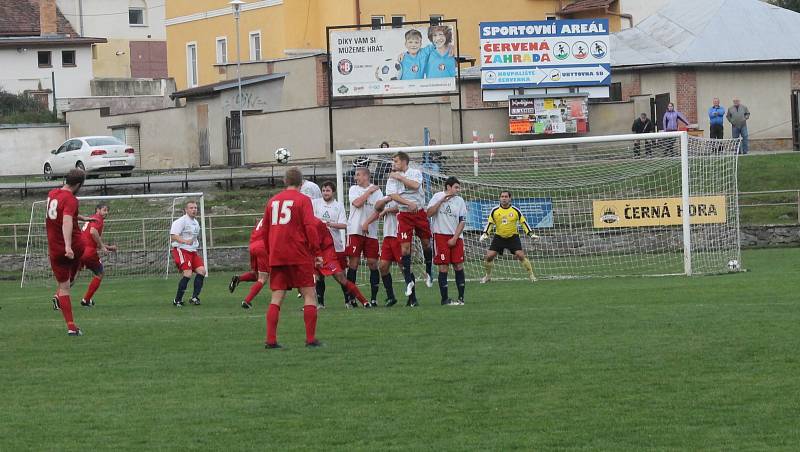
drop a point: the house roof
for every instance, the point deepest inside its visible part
(585, 5)
(213, 88)
(21, 18)
(46, 41)
(692, 32)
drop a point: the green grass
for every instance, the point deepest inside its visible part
(705, 363)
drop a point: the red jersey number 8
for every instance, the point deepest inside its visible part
(285, 212)
(52, 209)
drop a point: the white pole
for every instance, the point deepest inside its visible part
(203, 232)
(491, 151)
(686, 217)
(28, 241)
(475, 158)
(339, 178)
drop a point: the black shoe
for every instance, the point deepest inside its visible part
(368, 306)
(56, 306)
(246, 305)
(460, 301)
(270, 346)
(195, 301)
(177, 303)
(373, 304)
(391, 302)
(354, 303)
(234, 282)
(414, 304)
(314, 344)
(447, 302)
(75, 332)
(87, 304)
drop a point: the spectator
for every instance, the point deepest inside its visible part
(671, 118)
(738, 115)
(716, 114)
(642, 124)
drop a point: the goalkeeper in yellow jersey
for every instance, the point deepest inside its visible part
(506, 219)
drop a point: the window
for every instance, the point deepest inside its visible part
(68, 58)
(191, 64)
(436, 18)
(222, 50)
(44, 58)
(376, 22)
(615, 92)
(255, 46)
(136, 17)
(397, 21)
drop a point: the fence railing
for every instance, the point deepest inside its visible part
(789, 199)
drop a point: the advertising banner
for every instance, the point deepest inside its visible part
(633, 213)
(394, 61)
(548, 114)
(540, 54)
(538, 212)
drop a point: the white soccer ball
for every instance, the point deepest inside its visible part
(282, 155)
(390, 69)
(733, 265)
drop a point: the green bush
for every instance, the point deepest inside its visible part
(23, 109)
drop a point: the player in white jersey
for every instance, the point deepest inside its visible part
(183, 235)
(390, 247)
(405, 187)
(448, 213)
(310, 189)
(332, 213)
(362, 231)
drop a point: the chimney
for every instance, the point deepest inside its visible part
(48, 25)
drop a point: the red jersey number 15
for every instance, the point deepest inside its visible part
(281, 212)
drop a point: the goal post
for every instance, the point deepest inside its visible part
(602, 206)
(137, 224)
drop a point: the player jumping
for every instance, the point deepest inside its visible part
(448, 213)
(93, 241)
(259, 266)
(505, 219)
(183, 233)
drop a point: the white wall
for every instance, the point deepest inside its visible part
(640, 9)
(109, 18)
(21, 71)
(24, 148)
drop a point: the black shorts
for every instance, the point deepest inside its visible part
(512, 244)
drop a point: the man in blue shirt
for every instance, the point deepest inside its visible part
(716, 116)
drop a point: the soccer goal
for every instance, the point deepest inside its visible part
(137, 224)
(602, 206)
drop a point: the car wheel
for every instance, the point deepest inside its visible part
(48, 172)
(80, 166)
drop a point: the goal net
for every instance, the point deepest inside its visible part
(601, 206)
(137, 224)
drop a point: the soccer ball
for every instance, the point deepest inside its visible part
(733, 265)
(390, 69)
(282, 155)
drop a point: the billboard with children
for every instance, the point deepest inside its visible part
(415, 59)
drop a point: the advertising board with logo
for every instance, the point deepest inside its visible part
(540, 54)
(537, 211)
(394, 61)
(548, 114)
(634, 213)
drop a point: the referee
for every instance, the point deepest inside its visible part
(505, 219)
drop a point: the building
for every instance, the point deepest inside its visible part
(41, 54)
(201, 35)
(136, 44)
(689, 52)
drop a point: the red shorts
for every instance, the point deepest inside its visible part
(259, 259)
(358, 244)
(390, 250)
(66, 269)
(286, 277)
(341, 256)
(443, 254)
(187, 260)
(330, 263)
(92, 261)
(409, 224)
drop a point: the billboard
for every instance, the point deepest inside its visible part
(538, 212)
(547, 114)
(634, 213)
(541, 54)
(394, 61)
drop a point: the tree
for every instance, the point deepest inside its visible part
(793, 5)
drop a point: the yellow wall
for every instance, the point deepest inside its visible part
(110, 65)
(300, 24)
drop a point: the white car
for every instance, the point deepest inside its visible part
(93, 155)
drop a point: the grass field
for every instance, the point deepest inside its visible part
(706, 363)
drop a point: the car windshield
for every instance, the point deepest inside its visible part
(104, 141)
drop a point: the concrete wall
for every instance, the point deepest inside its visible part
(611, 118)
(303, 132)
(24, 148)
(658, 82)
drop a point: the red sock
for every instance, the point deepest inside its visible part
(254, 291)
(273, 313)
(310, 317)
(352, 289)
(93, 286)
(66, 310)
(249, 276)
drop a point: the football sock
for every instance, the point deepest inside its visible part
(351, 274)
(273, 314)
(428, 254)
(320, 290)
(93, 286)
(182, 285)
(254, 290)
(387, 284)
(353, 290)
(461, 282)
(346, 295)
(374, 283)
(249, 276)
(443, 285)
(310, 319)
(488, 266)
(526, 264)
(66, 310)
(407, 269)
(198, 285)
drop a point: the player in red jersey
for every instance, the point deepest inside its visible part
(64, 243)
(292, 242)
(92, 235)
(259, 266)
(332, 267)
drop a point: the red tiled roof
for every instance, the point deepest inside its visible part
(585, 5)
(21, 18)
